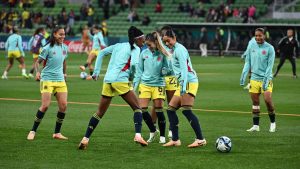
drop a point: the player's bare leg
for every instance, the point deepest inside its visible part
(271, 111)
(255, 111)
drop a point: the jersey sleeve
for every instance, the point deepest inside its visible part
(268, 73)
(99, 59)
(245, 69)
(182, 57)
(21, 45)
(138, 71)
(43, 42)
(30, 43)
(44, 53)
(103, 44)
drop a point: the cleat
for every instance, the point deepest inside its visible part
(253, 128)
(59, 136)
(173, 143)
(272, 127)
(140, 140)
(30, 75)
(4, 77)
(82, 68)
(83, 143)
(25, 75)
(153, 136)
(162, 140)
(31, 135)
(197, 143)
(295, 76)
(170, 134)
(247, 87)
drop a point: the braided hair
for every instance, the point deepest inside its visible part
(133, 33)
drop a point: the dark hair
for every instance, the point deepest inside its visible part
(133, 33)
(155, 38)
(38, 30)
(97, 27)
(51, 40)
(167, 31)
(262, 30)
(15, 29)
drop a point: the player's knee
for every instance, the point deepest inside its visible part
(144, 109)
(171, 108)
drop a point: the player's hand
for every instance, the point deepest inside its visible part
(182, 87)
(38, 76)
(164, 71)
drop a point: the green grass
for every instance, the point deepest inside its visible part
(111, 145)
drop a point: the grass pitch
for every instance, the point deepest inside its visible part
(222, 107)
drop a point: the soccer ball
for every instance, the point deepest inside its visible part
(83, 75)
(223, 144)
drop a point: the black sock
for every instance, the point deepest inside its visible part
(38, 118)
(92, 125)
(148, 120)
(138, 118)
(91, 72)
(86, 65)
(161, 123)
(255, 120)
(173, 118)
(272, 117)
(60, 118)
(194, 123)
(31, 70)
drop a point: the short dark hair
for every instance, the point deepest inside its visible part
(260, 30)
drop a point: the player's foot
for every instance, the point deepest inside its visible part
(153, 136)
(30, 75)
(272, 127)
(295, 76)
(83, 143)
(162, 140)
(4, 77)
(253, 128)
(139, 139)
(82, 68)
(31, 135)
(197, 143)
(25, 75)
(59, 136)
(173, 143)
(89, 77)
(247, 87)
(170, 134)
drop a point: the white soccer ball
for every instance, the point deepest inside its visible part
(83, 75)
(223, 144)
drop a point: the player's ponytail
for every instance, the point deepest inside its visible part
(159, 44)
(133, 33)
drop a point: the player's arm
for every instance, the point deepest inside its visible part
(42, 57)
(103, 44)
(184, 70)
(30, 43)
(43, 42)
(99, 60)
(245, 69)
(166, 67)
(138, 72)
(6, 45)
(280, 44)
(21, 46)
(270, 64)
(297, 49)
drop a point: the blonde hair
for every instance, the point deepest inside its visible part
(155, 37)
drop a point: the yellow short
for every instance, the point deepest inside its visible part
(191, 88)
(256, 87)
(95, 52)
(171, 83)
(53, 87)
(14, 54)
(34, 56)
(150, 92)
(119, 88)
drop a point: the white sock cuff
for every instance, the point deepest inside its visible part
(255, 107)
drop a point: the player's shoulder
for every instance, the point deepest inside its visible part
(146, 52)
(46, 47)
(64, 46)
(269, 45)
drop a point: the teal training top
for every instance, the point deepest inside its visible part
(182, 65)
(260, 60)
(149, 70)
(122, 61)
(98, 41)
(54, 58)
(14, 43)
